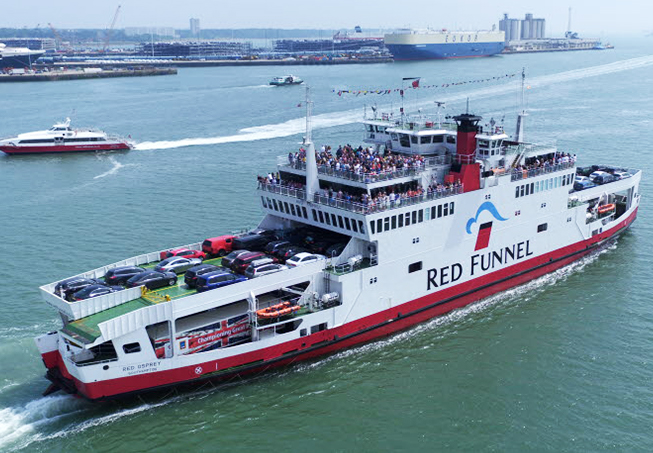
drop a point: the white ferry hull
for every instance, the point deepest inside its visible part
(226, 364)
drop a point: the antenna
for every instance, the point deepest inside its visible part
(569, 21)
(308, 138)
(440, 105)
(312, 183)
(519, 133)
(467, 105)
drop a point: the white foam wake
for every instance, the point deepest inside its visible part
(116, 166)
(296, 126)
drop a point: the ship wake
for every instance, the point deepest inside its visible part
(326, 120)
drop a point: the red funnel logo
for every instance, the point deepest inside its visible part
(483, 238)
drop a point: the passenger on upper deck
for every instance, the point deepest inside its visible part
(360, 160)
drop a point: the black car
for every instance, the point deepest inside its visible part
(274, 245)
(152, 279)
(95, 291)
(253, 242)
(120, 275)
(228, 260)
(66, 288)
(190, 278)
(289, 251)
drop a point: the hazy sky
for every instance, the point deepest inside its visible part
(598, 17)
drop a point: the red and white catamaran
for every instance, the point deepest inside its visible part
(474, 213)
(61, 138)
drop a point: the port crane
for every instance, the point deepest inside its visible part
(109, 32)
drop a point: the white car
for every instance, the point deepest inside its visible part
(596, 174)
(621, 174)
(304, 258)
(581, 178)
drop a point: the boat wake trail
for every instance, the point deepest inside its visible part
(17, 423)
(116, 166)
(297, 126)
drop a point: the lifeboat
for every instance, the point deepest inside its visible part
(606, 208)
(275, 311)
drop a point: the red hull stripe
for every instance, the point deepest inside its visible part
(359, 331)
(61, 149)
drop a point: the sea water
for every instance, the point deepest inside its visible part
(560, 364)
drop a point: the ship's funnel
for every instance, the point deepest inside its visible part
(467, 130)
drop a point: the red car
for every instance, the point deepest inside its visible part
(186, 253)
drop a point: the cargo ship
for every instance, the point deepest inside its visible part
(18, 57)
(411, 44)
(429, 217)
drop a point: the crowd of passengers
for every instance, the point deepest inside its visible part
(359, 160)
(381, 199)
(535, 163)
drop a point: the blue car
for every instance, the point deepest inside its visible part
(217, 279)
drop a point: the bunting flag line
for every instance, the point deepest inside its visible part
(416, 84)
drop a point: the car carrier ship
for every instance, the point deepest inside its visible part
(443, 216)
(408, 44)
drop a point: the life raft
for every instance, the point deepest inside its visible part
(607, 208)
(278, 310)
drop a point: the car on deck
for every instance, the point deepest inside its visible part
(288, 251)
(152, 280)
(273, 246)
(120, 275)
(304, 258)
(184, 253)
(218, 279)
(95, 291)
(66, 288)
(258, 271)
(218, 246)
(177, 264)
(243, 261)
(190, 278)
(228, 260)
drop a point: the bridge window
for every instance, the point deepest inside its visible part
(386, 224)
(400, 220)
(327, 218)
(394, 222)
(379, 225)
(360, 227)
(314, 215)
(446, 209)
(334, 221)
(414, 217)
(542, 227)
(342, 225)
(451, 208)
(438, 138)
(353, 226)
(304, 211)
(407, 218)
(414, 267)
(420, 215)
(347, 225)
(321, 216)
(372, 226)
(404, 140)
(439, 211)
(292, 208)
(413, 139)
(425, 139)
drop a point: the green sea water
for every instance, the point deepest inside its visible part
(564, 363)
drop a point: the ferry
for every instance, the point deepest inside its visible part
(434, 216)
(286, 80)
(61, 138)
(409, 44)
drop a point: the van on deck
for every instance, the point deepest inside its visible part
(218, 246)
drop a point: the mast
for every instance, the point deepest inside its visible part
(519, 133)
(312, 183)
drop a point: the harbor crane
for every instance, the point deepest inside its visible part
(109, 32)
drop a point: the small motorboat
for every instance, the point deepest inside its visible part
(286, 80)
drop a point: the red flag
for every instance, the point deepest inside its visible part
(416, 83)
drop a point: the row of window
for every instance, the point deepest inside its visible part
(401, 220)
(52, 140)
(544, 184)
(326, 218)
(285, 207)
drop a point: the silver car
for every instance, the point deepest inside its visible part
(177, 264)
(265, 269)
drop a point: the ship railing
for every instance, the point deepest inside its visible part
(375, 207)
(283, 190)
(376, 176)
(517, 175)
(358, 207)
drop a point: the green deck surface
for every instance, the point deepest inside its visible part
(87, 330)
